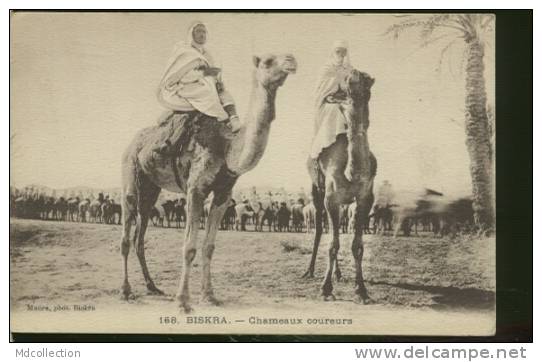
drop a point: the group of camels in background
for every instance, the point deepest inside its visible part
(437, 215)
(74, 209)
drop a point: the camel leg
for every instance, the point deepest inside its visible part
(316, 243)
(362, 210)
(397, 226)
(216, 213)
(129, 206)
(194, 205)
(333, 209)
(337, 271)
(148, 195)
(318, 197)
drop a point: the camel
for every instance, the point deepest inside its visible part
(257, 216)
(268, 214)
(61, 209)
(382, 218)
(83, 209)
(308, 215)
(48, 208)
(157, 217)
(228, 221)
(242, 213)
(345, 172)
(200, 169)
(263, 213)
(109, 210)
(283, 218)
(179, 212)
(95, 209)
(73, 208)
(169, 209)
(297, 215)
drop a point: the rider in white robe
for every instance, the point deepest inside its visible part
(192, 82)
(329, 120)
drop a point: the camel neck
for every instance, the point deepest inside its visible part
(358, 143)
(262, 102)
(248, 147)
(358, 115)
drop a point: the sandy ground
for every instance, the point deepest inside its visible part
(419, 285)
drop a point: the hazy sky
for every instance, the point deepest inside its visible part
(83, 84)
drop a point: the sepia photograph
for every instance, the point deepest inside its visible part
(252, 173)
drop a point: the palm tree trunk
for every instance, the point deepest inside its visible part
(478, 138)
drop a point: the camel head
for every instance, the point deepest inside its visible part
(358, 86)
(271, 70)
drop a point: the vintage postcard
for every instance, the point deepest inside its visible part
(252, 173)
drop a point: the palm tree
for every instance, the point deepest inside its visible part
(472, 31)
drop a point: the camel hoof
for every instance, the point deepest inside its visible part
(211, 300)
(365, 300)
(329, 297)
(186, 308)
(128, 296)
(126, 292)
(308, 275)
(153, 290)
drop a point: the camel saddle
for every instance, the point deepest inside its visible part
(183, 129)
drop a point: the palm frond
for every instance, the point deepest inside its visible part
(436, 27)
(432, 23)
(411, 22)
(468, 21)
(428, 42)
(427, 25)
